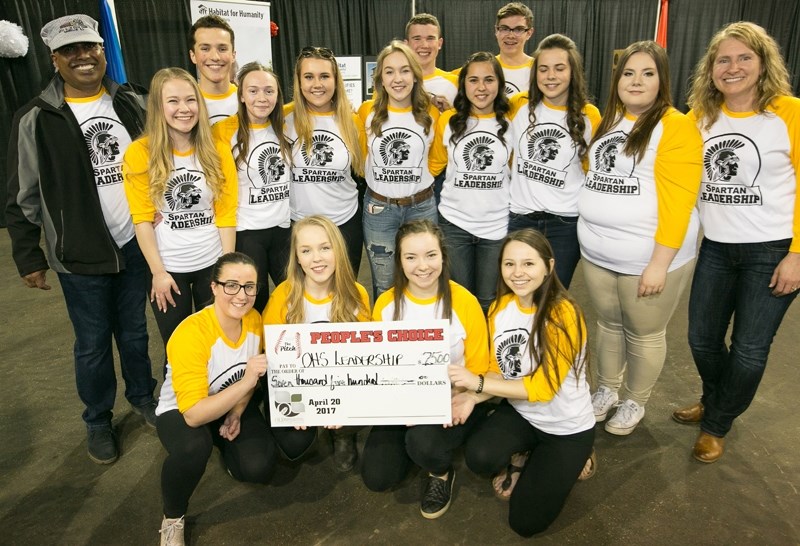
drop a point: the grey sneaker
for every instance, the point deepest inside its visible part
(438, 492)
(602, 402)
(102, 445)
(172, 531)
(628, 415)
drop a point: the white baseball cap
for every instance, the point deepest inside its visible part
(70, 29)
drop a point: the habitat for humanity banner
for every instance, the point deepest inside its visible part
(250, 23)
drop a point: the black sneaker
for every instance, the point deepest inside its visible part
(344, 450)
(148, 411)
(102, 446)
(436, 499)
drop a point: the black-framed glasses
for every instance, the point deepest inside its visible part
(516, 31)
(80, 47)
(232, 287)
(311, 51)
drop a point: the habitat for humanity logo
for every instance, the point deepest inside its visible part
(202, 10)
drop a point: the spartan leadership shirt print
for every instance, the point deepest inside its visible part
(106, 139)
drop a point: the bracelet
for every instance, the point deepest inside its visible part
(480, 384)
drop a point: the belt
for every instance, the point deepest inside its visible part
(418, 197)
(541, 215)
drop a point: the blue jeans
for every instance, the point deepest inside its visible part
(473, 261)
(381, 222)
(731, 281)
(102, 306)
(561, 231)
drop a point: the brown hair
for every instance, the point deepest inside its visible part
(209, 21)
(515, 8)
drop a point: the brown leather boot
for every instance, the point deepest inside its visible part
(708, 448)
(690, 415)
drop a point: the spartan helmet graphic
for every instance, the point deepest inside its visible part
(186, 196)
(106, 146)
(482, 157)
(512, 360)
(724, 165)
(609, 157)
(321, 154)
(546, 150)
(275, 168)
(398, 152)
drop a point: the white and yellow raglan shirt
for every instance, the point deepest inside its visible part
(263, 177)
(547, 174)
(221, 106)
(568, 408)
(397, 161)
(188, 234)
(468, 338)
(107, 140)
(626, 206)
(751, 162)
(441, 83)
(321, 179)
(314, 310)
(202, 361)
(475, 192)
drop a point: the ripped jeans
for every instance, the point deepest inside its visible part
(381, 222)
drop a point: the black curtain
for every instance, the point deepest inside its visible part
(23, 78)
(347, 27)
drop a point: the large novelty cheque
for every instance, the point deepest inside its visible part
(358, 373)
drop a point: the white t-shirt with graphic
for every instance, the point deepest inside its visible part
(517, 77)
(263, 177)
(321, 179)
(397, 161)
(475, 191)
(547, 174)
(222, 105)
(106, 139)
(443, 84)
(751, 162)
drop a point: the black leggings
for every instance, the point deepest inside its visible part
(269, 248)
(292, 442)
(384, 461)
(549, 474)
(195, 287)
(250, 457)
(353, 235)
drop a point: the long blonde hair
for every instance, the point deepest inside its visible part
(342, 109)
(704, 97)
(420, 101)
(159, 144)
(346, 305)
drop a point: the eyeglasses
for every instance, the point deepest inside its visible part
(80, 47)
(516, 31)
(232, 288)
(310, 51)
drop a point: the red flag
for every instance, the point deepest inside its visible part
(661, 26)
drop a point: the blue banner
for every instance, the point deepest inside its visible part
(116, 64)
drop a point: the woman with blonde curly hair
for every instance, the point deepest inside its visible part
(327, 147)
(182, 192)
(748, 270)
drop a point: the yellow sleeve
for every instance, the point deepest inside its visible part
(361, 123)
(137, 182)
(593, 115)
(476, 345)
(188, 353)
(288, 108)
(362, 317)
(228, 201)
(225, 129)
(494, 308)
(437, 157)
(381, 303)
(361, 129)
(516, 103)
(537, 384)
(678, 171)
(456, 72)
(788, 109)
(277, 305)
(252, 323)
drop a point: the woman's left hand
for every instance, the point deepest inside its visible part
(461, 405)
(462, 377)
(652, 281)
(786, 278)
(230, 428)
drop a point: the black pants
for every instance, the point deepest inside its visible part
(384, 461)
(250, 457)
(269, 248)
(292, 442)
(354, 239)
(195, 287)
(549, 474)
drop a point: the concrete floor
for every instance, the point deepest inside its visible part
(648, 489)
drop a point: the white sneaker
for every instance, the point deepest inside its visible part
(172, 531)
(602, 402)
(628, 415)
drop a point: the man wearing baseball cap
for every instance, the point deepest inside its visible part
(64, 160)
